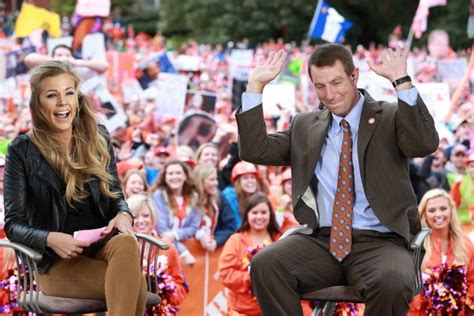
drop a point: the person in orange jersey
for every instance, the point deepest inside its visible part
(446, 248)
(259, 228)
(143, 210)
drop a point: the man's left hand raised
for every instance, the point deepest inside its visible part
(393, 66)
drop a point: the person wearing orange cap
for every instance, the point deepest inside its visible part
(154, 161)
(185, 154)
(125, 166)
(462, 193)
(244, 180)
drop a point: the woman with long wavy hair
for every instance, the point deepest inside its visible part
(175, 200)
(61, 178)
(447, 251)
(216, 225)
(217, 220)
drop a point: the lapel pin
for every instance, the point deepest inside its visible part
(371, 120)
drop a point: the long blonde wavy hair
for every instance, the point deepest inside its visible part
(206, 201)
(455, 231)
(89, 157)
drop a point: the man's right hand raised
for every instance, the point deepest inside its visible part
(266, 71)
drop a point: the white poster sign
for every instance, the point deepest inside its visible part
(171, 94)
(436, 97)
(278, 97)
(93, 47)
(110, 113)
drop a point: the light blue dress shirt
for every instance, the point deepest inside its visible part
(327, 167)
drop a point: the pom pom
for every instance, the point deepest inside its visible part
(347, 309)
(251, 251)
(445, 289)
(8, 289)
(166, 289)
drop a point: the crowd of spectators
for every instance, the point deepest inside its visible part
(195, 193)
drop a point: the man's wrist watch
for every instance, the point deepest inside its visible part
(401, 80)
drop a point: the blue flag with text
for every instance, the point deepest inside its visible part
(328, 24)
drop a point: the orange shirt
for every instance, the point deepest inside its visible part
(416, 307)
(289, 221)
(175, 270)
(235, 276)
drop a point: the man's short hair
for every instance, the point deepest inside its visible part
(326, 55)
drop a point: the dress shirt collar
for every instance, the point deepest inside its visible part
(353, 118)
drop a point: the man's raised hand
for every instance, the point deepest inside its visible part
(266, 71)
(394, 64)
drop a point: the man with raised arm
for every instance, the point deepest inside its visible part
(351, 184)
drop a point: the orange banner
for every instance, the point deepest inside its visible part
(206, 293)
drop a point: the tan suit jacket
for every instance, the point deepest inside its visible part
(389, 133)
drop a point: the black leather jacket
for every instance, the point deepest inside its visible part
(34, 197)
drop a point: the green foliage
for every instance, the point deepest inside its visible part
(220, 21)
(215, 21)
(373, 21)
(64, 7)
(144, 22)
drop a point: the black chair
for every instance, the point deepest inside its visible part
(328, 297)
(32, 300)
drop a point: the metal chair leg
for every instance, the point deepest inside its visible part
(329, 308)
(324, 309)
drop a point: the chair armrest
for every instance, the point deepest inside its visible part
(149, 259)
(416, 246)
(29, 252)
(158, 243)
(417, 241)
(301, 229)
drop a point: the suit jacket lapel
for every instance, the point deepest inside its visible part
(369, 119)
(317, 136)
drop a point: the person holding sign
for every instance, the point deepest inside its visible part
(355, 144)
(61, 177)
